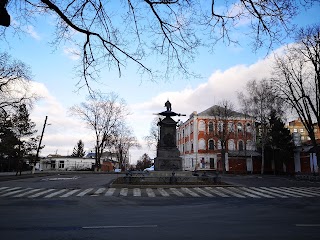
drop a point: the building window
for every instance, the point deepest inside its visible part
(239, 127)
(211, 144)
(61, 164)
(219, 144)
(240, 146)
(202, 144)
(191, 127)
(301, 130)
(202, 126)
(248, 127)
(210, 127)
(53, 164)
(192, 147)
(295, 130)
(249, 145)
(231, 145)
(230, 127)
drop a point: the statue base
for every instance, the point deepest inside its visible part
(167, 164)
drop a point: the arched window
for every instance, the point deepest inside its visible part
(239, 127)
(211, 144)
(240, 145)
(249, 128)
(202, 144)
(230, 127)
(250, 145)
(210, 127)
(202, 126)
(231, 145)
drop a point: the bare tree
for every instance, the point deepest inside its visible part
(153, 138)
(297, 78)
(260, 100)
(103, 113)
(123, 141)
(224, 115)
(118, 33)
(15, 77)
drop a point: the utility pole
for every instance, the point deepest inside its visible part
(38, 150)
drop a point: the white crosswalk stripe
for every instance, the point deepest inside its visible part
(176, 192)
(41, 193)
(256, 192)
(163, 192)
(212, 190)
(188, 191)
(99, 191)
(306, 190)
(2, 188)
(110, 192)
(68, 194)
(203, 192)
(243, 192)
(124, 192)
(209, 192)
(226, 190)
(28, 192)
(268, 192)
(294, 192)
(150, 192)
(137, 192)
(55, 193)
(84, 192)
(277, 190)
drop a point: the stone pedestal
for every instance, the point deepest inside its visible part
(168, 155)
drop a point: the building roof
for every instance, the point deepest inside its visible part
(215, 109)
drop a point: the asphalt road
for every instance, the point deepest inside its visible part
(157, 218)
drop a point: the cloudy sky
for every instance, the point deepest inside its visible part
(224, 72)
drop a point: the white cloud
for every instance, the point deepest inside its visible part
(72, 52)
(32, 32)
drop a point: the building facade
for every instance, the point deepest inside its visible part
(201, 139)
(299, 132)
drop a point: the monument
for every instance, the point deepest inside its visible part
(168, 156)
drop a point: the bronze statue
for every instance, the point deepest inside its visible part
(168, 106)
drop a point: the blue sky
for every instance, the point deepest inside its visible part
(223, 72)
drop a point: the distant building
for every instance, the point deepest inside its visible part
(200, 146)
(299, 131)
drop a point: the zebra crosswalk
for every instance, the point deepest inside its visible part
(195, 192)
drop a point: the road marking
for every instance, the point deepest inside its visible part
(123, 192)
(226, 190)
(176, 192)
(243, 192)
(163, 192)
(268, 192)
(216, 192)
(187, 190)
(68, 194)
(150, 192)
(110, 192)
(99, 191)
(14, 192)
(292, 192)
(55, 193)
(307, 225)
(137, 192)
(29, 192)
(132, 226)
(81, 194)
(256, 192)
(306, 190)
(280, 192)
(41, 193)
(2, 188)
(203, 192)
(10, 189)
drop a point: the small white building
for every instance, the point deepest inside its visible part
(66, 163)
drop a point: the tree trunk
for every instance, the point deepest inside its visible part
(262, 159)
